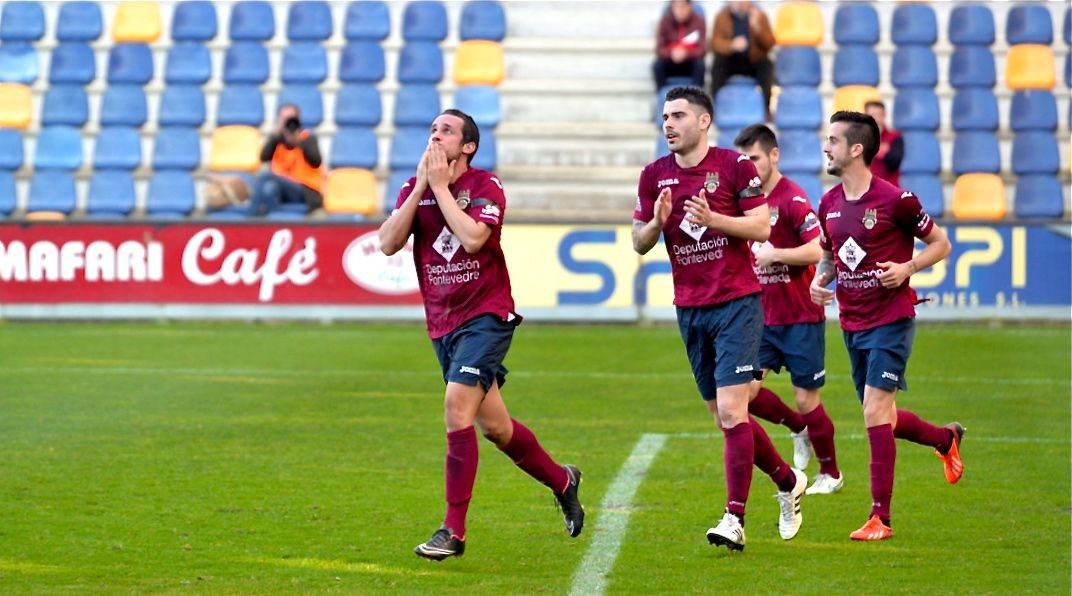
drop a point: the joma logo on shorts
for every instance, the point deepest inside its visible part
(819, 375)
(891, 376)
(470, 370)
(744, 369)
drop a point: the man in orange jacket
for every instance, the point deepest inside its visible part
(296, 169)
(741, 39)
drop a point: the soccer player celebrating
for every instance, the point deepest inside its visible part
(455, 212)
(793, 326)
(706, 203)
(869, 230)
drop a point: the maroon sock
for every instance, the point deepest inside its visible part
(768, 460)
(821, 433)
(738, 455)
(911, 427)
(462, 457)
(527, 454)
(883, 458)
(768, 406)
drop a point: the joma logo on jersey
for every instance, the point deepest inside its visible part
(667, 182)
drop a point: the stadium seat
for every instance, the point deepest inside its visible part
(72, 63)
(358, 105)
(811, 185)
(304, 63)
(407, 147)
(309, 20)
(661, 146)
(182, 105)
(351, 190)
(1067, 28)
(482, 102)
(914, 23)
(1039, 196)
(136, 22)
(856, 23)
(739, 104)
(8, 193)
(971, 24)
(979, 196)
(117, 148)
(194, 20)
(1068, 69)
(22, 21)
(354, 147)
(1029, 66)
(855, 65)
(798, 65)
(928, 187)
(1033, 110)
(16, 105)
(367, 20)
(188, 62)
(1035, 153)
(487, 154)
(801, 151)
(290, 212)
(916, 108)
(123, 105)
(246, 62)
(799, 107)
(972, 66)
(177, 148)
(171, 194)
(922, 153)
(483, 19)
(235, 148)
(362, 61)
(914, 66)
(79, 21)
(240, 105)
(975, 108)
(420, 62)
(130, 63)
(394, 187)
(18, 63)
(308, 100)
(252, 21)
(58, 148)
(111, 195)
(416, 105)
(726, 136)
(975, 151)
(1028, 23)
(424, 21)
(799, 23)
(52, 190)
(853, 97)
(11, 152)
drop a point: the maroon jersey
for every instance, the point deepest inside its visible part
(786, 294)
(458, 286)
(708, 266)
(880, 226)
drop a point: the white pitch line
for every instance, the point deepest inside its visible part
(591, 574)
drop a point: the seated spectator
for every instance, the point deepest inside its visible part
(887, 162)
(742, 39)
(296, 170)
(680, 45)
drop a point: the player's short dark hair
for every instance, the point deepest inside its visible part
(874, 103)
(470, 131)
(694, 95)
(862, 130)
(756, 133)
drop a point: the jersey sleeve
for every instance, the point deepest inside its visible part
(805, 222)
(403, 193)
(747, 185)
(824, 235)
(646, 195)
(909, 215)
(488, 204)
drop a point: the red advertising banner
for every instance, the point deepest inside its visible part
(202, 264)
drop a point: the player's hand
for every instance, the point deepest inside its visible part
(662, 206)
(765, 254)
(440, 172)
(819, 294)
(697, 211)
(422, 166)
(894, 275)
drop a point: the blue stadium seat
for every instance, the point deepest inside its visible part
(362, 61)
(245, 63)
(58, 148)
(726, 136)
(975, 152)
(914, 66)
(117, 148)
(240, 104)
(660, 100)
(111, 195)
(928, 187)
(1035, 153)
(194, 20)
(798, 65)
(358, 105)
(309, 20)
(856, 23)
(661, 146)
(52, 190)
(22, 21)
(914, 24)
(11, 152)
(252, 21)
(856, 65)
(1067, 28)
(975, 108)
(923, 154)
(182, 105)
(308, 100)
(420, 61)
(739, 104)
(8, 193)
(799, 107)
(1068, 69)
(188, 62)
(79, 21)
(123, 105)
(304, 63)
(487, 154)
(286, 212)
(916, 108)
(65, 105)
(424, 21)
(482, 102)
(72, 63)
(177, 148)
(972, 66)
(416, 105)
(971, 24)
(18, 63)
(1029, 23)
(407, 147)
(1039, 196)
(483, 19)
(801, 151)
(1033, 110)
(355, 147)
(394, 186)
(367, 19)
(130, 63)
(811, 185)
(171, 194)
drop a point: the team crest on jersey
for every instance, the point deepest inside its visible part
(446, 244)
(463, 199)
(711, 184)
(870, 218)
(696, 231)
(773, 215)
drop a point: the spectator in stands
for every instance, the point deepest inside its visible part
(742, 39)
(887, 162)
(296, 170)
(680, 44)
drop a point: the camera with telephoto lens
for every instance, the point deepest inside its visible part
(292, 124)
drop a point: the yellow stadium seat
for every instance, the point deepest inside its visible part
(979, 196)
(853, 97)
(235, 148)
(16, 103)
(799, 24)
(136, 22)
(479, 62)
(1029, 66)
(351, 190)
(45, 216)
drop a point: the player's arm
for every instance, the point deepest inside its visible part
(471, 233)
(937, 248)
(646, 234)
(824, 274)
(395, 231)
(806, 254)
(753, 225)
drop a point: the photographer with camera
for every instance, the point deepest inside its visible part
(296, 169)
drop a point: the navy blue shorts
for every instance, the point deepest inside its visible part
(474, 352)
(800, 348)
(722, 342)
(879, 356)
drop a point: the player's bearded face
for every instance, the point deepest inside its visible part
(447, 133)
(836, 149)
(681, 125)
